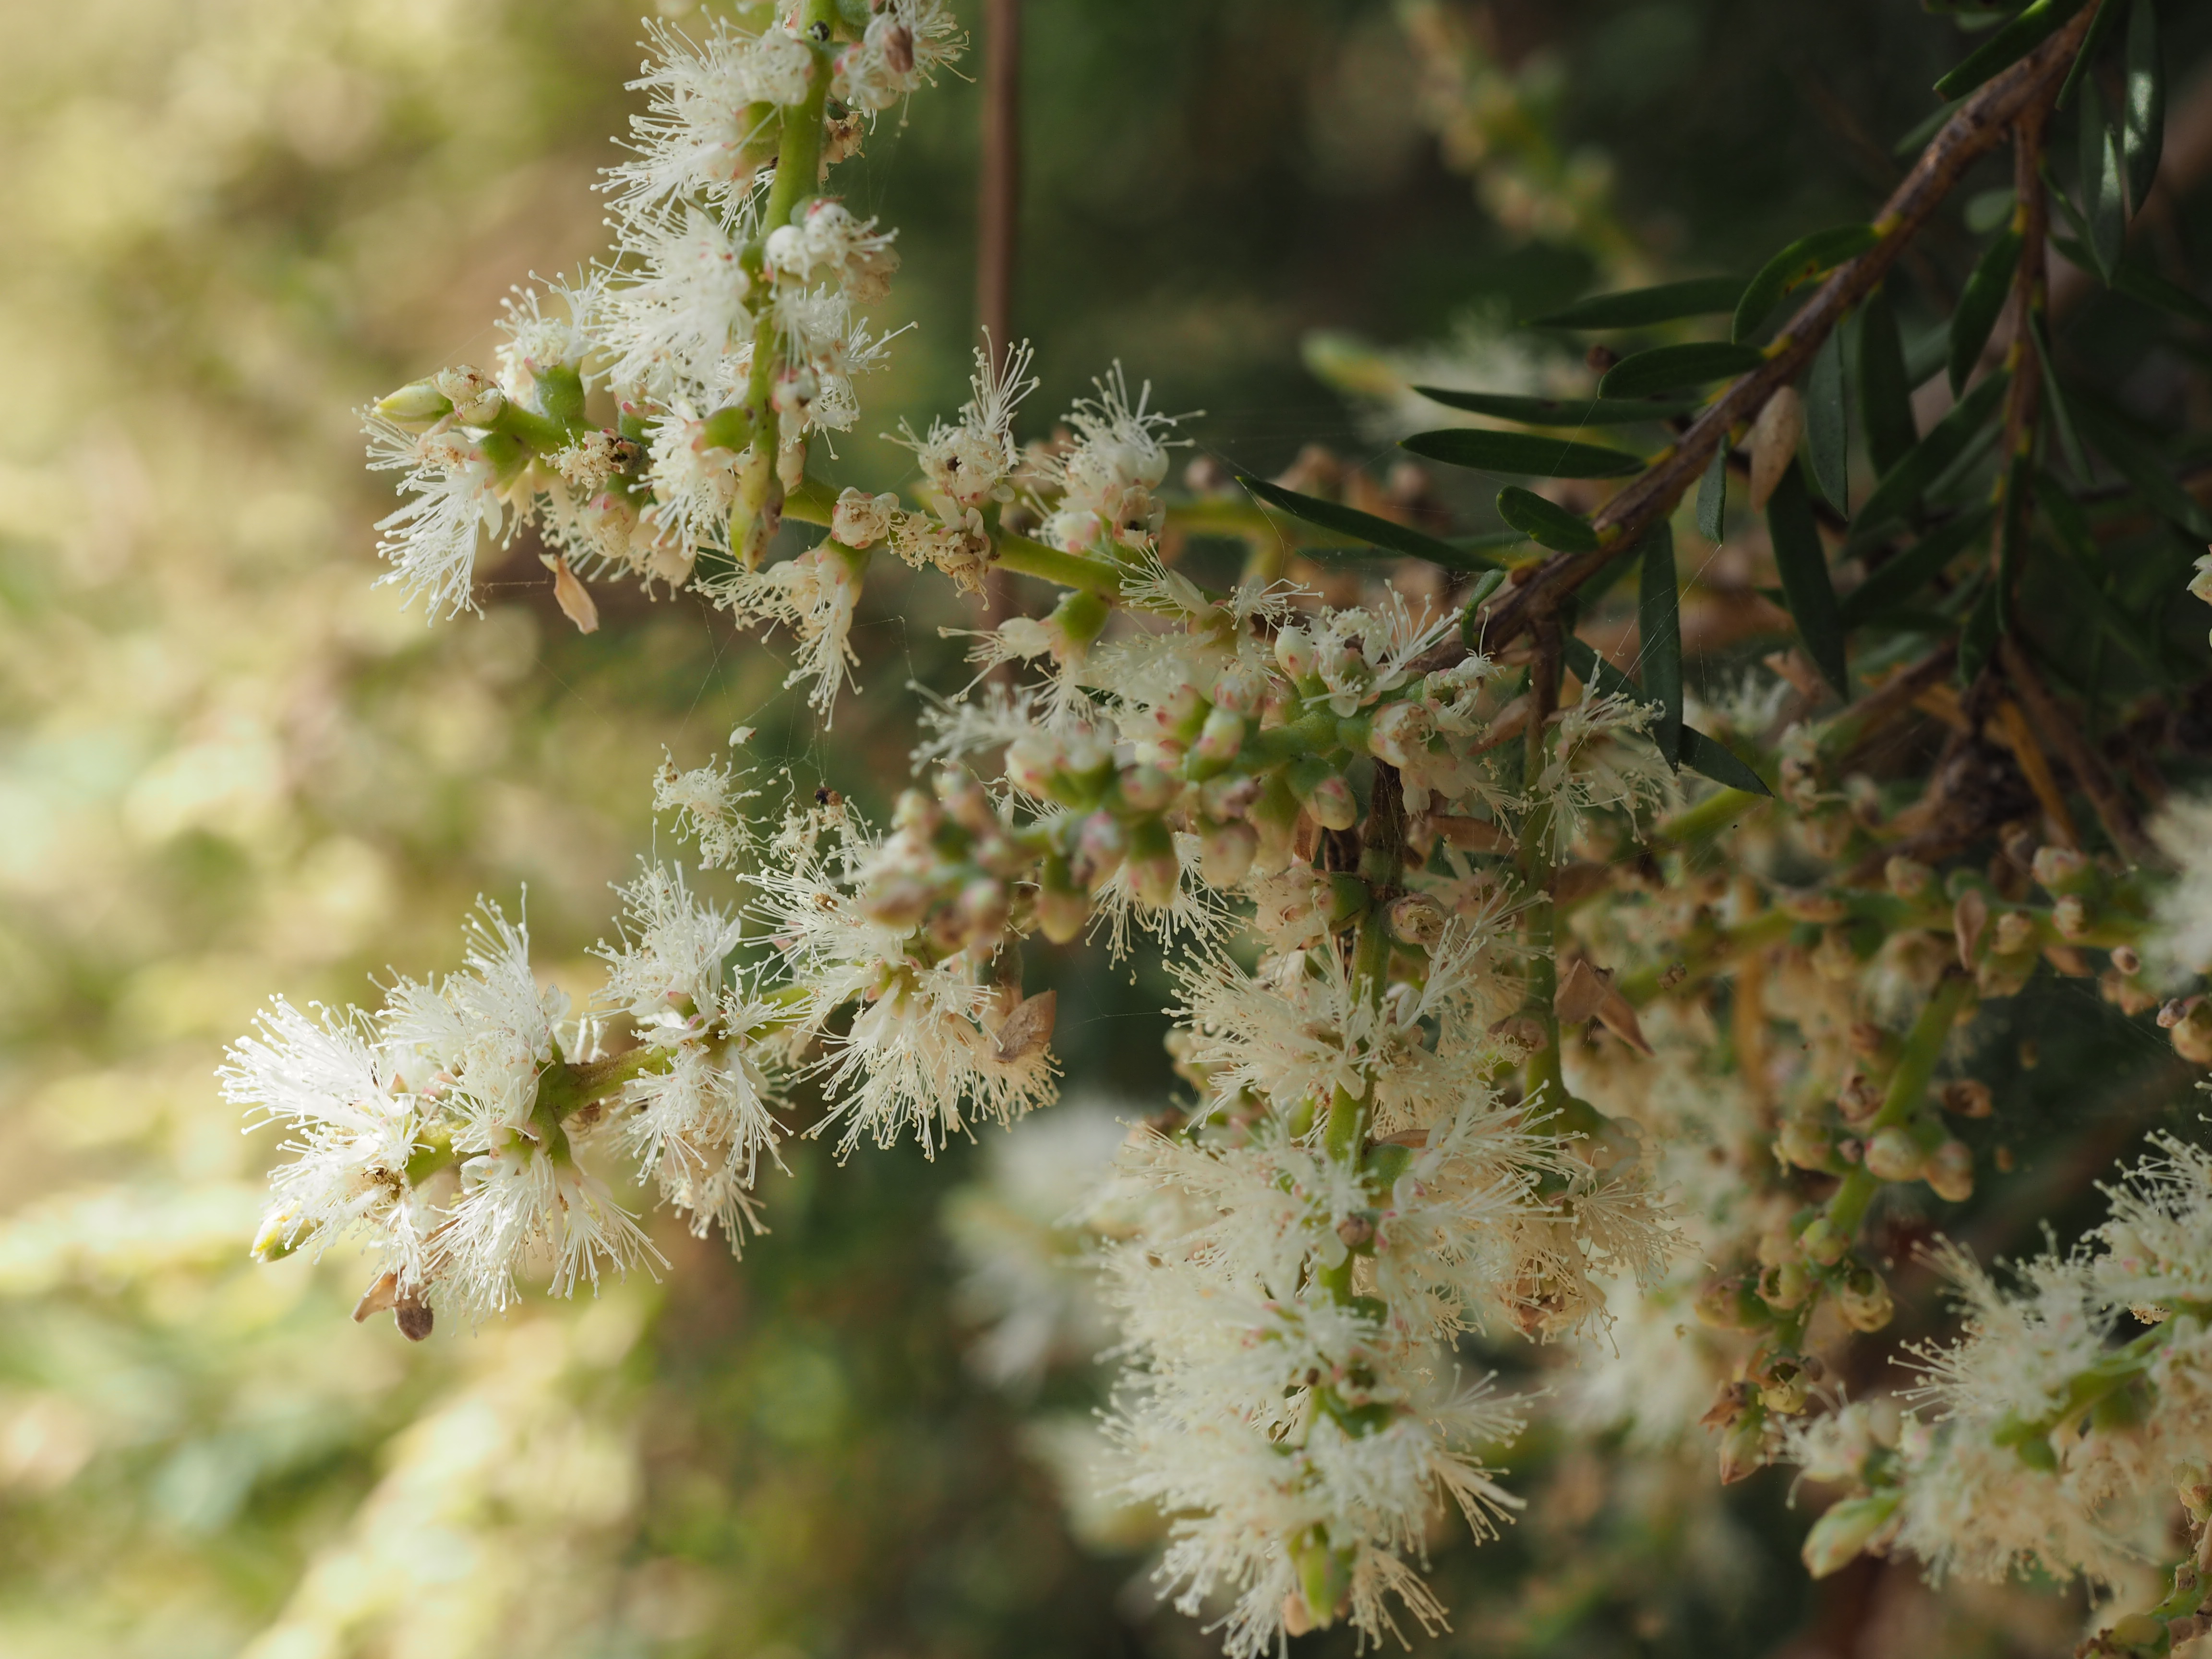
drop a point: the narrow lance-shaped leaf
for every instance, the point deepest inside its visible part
(1367, 527)
(1904, 485)
(2143, 467)
(1827, 429)
(1910, 571)
(1978, 637)
(1707, 757)
(2139, 281)
(1470, 622)
(2142, 122)
(2104, 210)
(2007, 45)
(1545, 523)
(2054, 398)
(1802, 261)
(1802, 564)
(1659, 639)
(1885, 395)
(2100, 28)
(1639, 307)
(2080, 559)
(1525, 452)
(1554, 411)
(1712, 495)
(1671, 367)
(1982, 298)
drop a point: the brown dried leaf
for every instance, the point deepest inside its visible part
(1581, 990)
(1775, 436)
(1028, 1028)
(1970, 919)
(1618, 1015)
(574, 597)
(384, 1293)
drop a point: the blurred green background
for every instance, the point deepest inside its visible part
(230, 767)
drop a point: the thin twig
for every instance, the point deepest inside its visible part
(2057, 726)
(1981, 124)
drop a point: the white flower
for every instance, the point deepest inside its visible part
(707, 132)
(2183, 944)
(813, 596)
(709, 807)
(693, 484)
(537, 341)
(685, 314)
(906, 42)
(970, 462)
(1107, 479)
(828, 239)
(523, 1203)
(431, 541)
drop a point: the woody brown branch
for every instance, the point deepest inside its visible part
(1983, 122)
(2024, 394)
(2058, 728)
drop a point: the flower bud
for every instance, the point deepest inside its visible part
(1219, 738)
(2016, 933)
(2125, 959)
(476, 399)
(899, 903)
(2191, 1032)
(415, 407)
(1967, 1096)
(1154, 871)
(1295, 653)
(1147, 788)
(1786, 1284)
(270, 1240)
(1804, 1143)
(965, 799)
(2060, 869)
(1864, 1300)
(1823, 1242)
(1230, 796)
(1227, 852)
(1950, 1171)
(1239, 690)
(1894, 1155)
(2071, 915)
(1100, 846)
(1725, 1304)
(861, 520)
(982, 908)
(1333, 804)
(1032, 764)
(1848, 1528)
(1180, 717)
(1417, 918)
(1062, 908)
(1908, 878)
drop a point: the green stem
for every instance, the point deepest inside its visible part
(1027, 558)
(1908, 1089)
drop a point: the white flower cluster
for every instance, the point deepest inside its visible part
(2055, 1433)
(723, 332)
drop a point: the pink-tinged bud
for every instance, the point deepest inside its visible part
(1228, 797)
(1804, 1143)
(1295, 654)
(1147, 788)
(1100, 846)
(965, 799)
(1032, 764)
(1894, 1155)
(1227, 852)
(1181, 715)
(1418, 919)
(1333, 804)
(1864, 1300)
(2071, 915)
(982, 908)
(1239, 690)
(1839, 1536)
(1219, 738)
(1154, 871)
(1400, 734)
(2060, 869)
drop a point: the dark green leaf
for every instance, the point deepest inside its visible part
(1913, 570)
(1366, 527)
(1885, 395)
(2054, 398)
(1701, 754)
(1671, 367)
(1712, 495)
(1639, 307)
(1659, 639)
(1802, 565)
(1802, 261)
(2083, 564)
(1712, 758)
(1984, 296)
(2104, 210)
(2100, 27)
(1521, 452)
(1545, 523)
(1902, 487)
(2142, 122)
(1991, 210)
(1554, 411)
(2139, 281)
(1470, 631)
(1827, 430)
(2007, 45)
(2145, 468)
